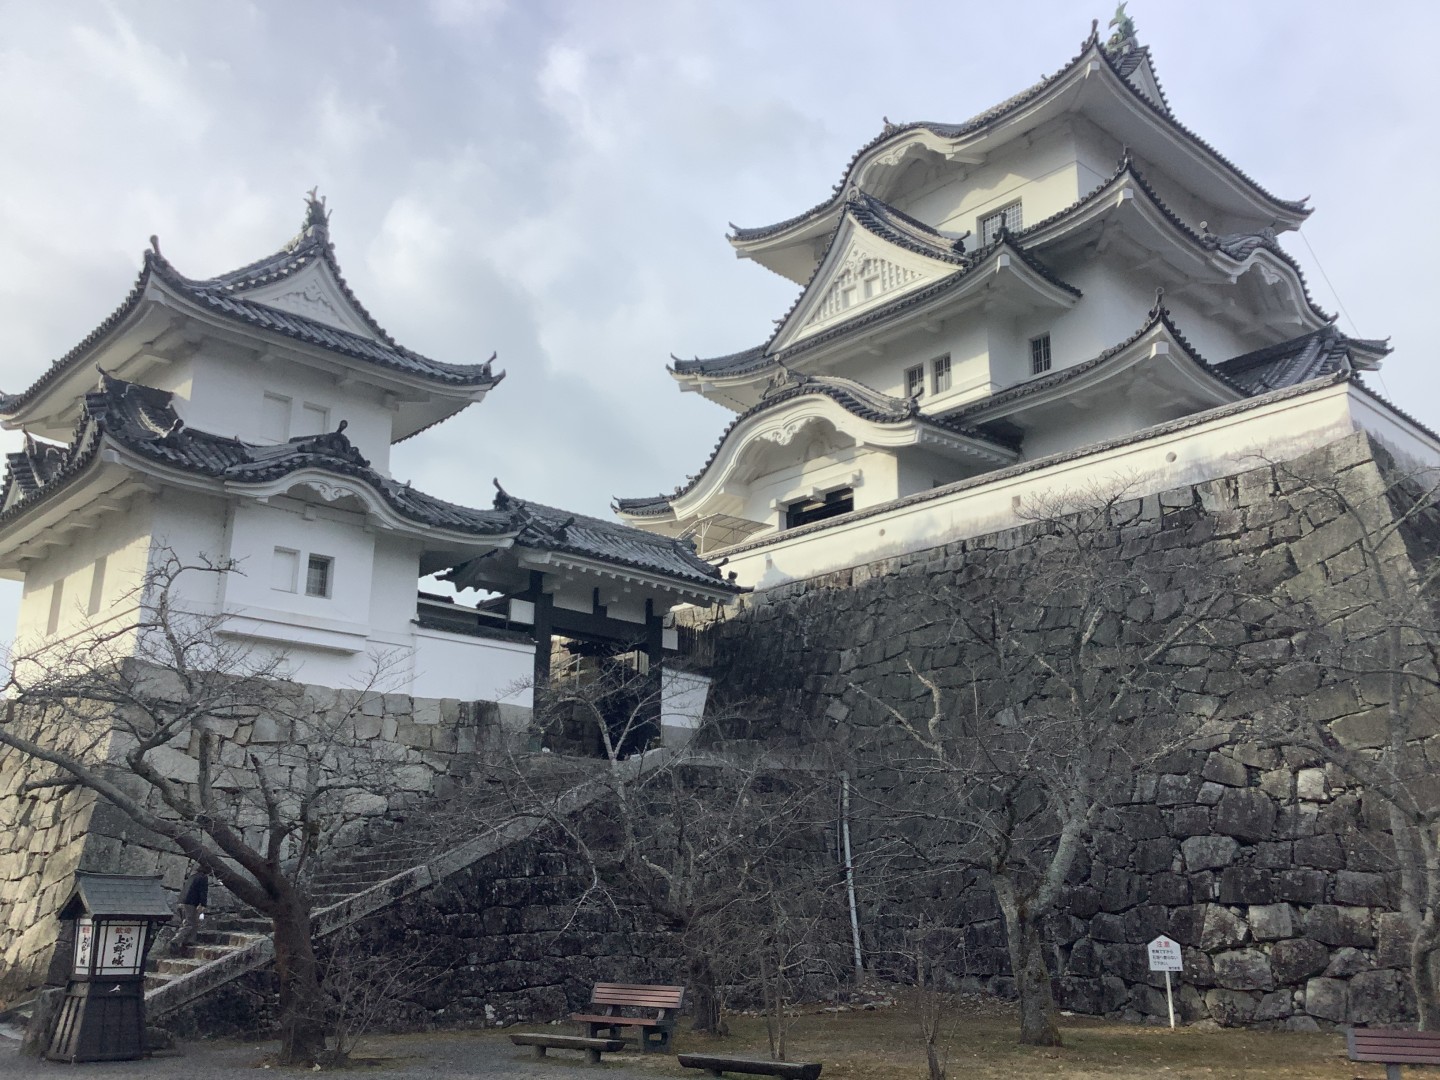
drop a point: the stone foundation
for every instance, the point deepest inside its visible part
(46, 835)
(1270, 869)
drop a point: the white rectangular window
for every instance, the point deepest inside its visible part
(915, 381)
(57, 598)
(1040, 354)
(275, 418)
(313, 420)
(1007, 217)
(284, 569)
(940, 369)
(318, 574)
(97, 587)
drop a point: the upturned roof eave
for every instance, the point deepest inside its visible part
(1120, 357)
(1110, 199)
(1019, 110)
(741, 430)
(919, 303)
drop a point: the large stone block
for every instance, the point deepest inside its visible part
(1221, 928)
(1243, 969)
(1271, 922)
(1331, 924)
(1376, 997)
(1223, 769)
(1395, 935)
(1232, 1008)
(1296, 959)
(1363, 889)
(1325, 998)
(1245, 813)
(1321, 852)
(1300, 886)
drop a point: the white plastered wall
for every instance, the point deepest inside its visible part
(1221, 446)
(225, 395)
(122, 540)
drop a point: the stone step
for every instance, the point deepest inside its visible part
(229, 938)
(176, 965)
(251, 925)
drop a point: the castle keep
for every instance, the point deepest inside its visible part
(1068, 294)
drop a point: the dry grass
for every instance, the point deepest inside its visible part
(885, 1044)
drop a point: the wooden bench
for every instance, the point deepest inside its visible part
(1393, 1047)
(593, 1047)
(665, 1001)
(719, 1066)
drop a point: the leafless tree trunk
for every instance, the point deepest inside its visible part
(161, 693)
(1067, 698)
(696, 834)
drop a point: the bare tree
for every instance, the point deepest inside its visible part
(1059, 696)
(1360, 617)
(208, 745)
(703, 836)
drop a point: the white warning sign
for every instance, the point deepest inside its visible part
(1165, 955)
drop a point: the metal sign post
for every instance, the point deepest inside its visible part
(1165, 956)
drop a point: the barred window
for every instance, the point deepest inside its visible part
(915, 381)
(940, 371)
(1007, 216)
(317, 575)
(1040, 354)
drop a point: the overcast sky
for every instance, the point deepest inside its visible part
(552, 180)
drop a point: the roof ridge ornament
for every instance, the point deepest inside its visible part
(1159, 310)
(317, 218)
(1123, 40)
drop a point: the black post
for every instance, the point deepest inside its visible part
(655, 653)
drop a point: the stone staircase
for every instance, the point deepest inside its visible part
(397, 860)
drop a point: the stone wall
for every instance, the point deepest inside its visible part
(1269, 868)
(425, 745)
(503, 941)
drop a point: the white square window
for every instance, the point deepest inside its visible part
(940, 371)
(990, 224)
(1040, 354)
(318, 575)
(313, 420)
(275, 418)
(915, 381)
(284, 569)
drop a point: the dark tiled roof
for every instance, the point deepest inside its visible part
(856, 398)
(1122, 66)
(760, 358)
(549, 529)
(116, 894)
(1236, 246)
(902, 230)
(1159, 316)
(224, 295)
(1310, 356)
(1035, 465)
(143, 421)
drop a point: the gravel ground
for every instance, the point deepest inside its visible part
(435, 1056)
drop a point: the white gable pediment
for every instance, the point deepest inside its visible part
(861, 272)
(314, 293)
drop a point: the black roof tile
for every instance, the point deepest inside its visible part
(142, 420)
(855, 397)
(1122, 65)
(224, 296)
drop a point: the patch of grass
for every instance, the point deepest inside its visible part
(885, 1044)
